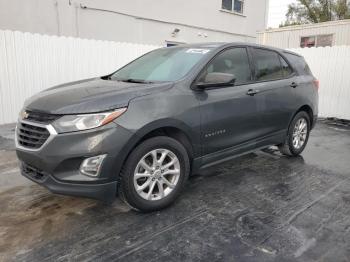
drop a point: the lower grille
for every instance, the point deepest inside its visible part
(33, 172)
(31, 136)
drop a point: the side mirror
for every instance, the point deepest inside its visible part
(217, 79)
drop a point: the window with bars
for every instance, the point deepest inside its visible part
(233, 5)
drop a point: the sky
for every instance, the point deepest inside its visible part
(277, 12)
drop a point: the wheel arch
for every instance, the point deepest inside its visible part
(173, 132)
(309, 111)
(306, 108)
(174, 129)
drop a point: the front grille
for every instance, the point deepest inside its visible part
(33, 172)
(41, 117)
(31, 136)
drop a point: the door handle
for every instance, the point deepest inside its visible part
(252, 92)
(294, 85)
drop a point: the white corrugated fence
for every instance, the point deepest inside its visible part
(331, 66)
(30, 63)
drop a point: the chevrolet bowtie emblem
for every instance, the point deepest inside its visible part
(24, 115)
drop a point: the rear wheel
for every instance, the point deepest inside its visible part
(298, 135)
(154, 174)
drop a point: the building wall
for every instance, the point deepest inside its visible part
(289, 37)
(140, 21)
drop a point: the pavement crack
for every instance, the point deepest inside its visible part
(148, 239)
(302, 210)
(312, 203)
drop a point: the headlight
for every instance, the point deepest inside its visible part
(71, 123)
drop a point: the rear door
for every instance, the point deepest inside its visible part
(275, 90)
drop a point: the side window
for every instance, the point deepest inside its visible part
(267, 65)
(286, 69)
(233, 5)
(233, 61)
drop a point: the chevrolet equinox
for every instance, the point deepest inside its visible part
(140, 131)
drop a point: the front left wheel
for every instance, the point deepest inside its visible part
(154, 174)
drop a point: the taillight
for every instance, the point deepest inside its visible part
(316, 84)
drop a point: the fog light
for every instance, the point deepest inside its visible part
(92, 165)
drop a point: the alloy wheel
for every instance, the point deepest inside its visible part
(300, 133)
(157, 174)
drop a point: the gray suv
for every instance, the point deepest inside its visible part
(140, 131)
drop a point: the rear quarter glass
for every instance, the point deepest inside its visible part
(299, 63)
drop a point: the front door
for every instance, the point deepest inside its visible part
(228, 114)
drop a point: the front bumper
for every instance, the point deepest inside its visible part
(58, 162)
(105, 192)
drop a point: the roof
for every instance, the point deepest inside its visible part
(228, 44)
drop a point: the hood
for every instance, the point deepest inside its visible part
(90, 96)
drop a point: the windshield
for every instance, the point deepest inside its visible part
(165, 64)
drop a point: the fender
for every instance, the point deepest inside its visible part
(160, 123)
(298, 110)
(169, 122)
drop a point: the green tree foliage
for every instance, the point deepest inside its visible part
(316, 11)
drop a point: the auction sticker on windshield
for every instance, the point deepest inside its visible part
(197, 51)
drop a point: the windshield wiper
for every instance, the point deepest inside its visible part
(131, 80)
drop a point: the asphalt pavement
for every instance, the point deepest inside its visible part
(259, 207)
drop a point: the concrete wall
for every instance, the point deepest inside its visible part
(289, 37)
(140, 21)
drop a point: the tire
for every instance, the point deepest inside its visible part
(137, 174)
(288, 147)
